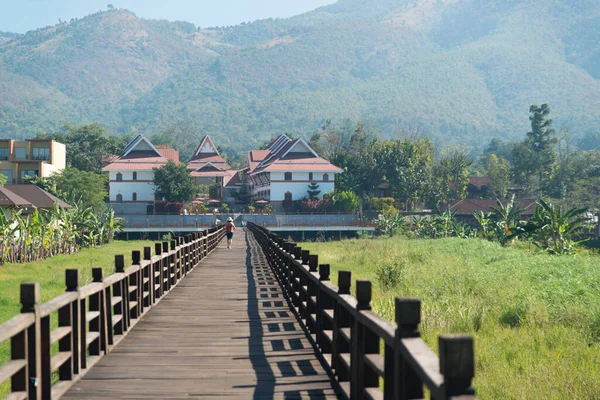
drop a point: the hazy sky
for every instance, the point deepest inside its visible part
(24, 15)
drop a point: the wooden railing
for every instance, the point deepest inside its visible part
(91, 319)
(348, 334)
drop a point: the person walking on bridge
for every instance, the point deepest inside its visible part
(229, 229)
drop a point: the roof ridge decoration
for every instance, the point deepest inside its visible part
(136, 141)
(202, 147)
(300, 140)
(206, 164)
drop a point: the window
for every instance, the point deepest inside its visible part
(119, 177)
(325, 178)
(119, 198)
(8, 174)
(134, 196)
(4, 153)
(288, 196)
(20, 153)
(310, 176)
(134, 176)
(40, 153)
(288, 176)
(27, 172)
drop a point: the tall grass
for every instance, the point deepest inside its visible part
(535, 317)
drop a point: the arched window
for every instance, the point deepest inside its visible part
(288, 176)
(134, 196)
(119, 198)
(134, 176)
(288, 196)
(119, 177)
(325, 178)
(310, 176)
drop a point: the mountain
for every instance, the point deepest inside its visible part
(461, 71)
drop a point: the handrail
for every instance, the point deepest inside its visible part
(348, 334)
(94, 318)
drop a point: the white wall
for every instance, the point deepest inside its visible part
(144, 190)
(128, 175)
(299, 190)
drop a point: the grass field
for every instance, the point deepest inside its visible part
(535, 317)
(50, 274)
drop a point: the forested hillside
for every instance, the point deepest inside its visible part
(460, 71)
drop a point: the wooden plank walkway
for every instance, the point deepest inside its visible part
(225, 332)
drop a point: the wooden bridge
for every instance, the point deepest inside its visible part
(198, 320)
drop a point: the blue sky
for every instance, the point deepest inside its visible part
(24, 15)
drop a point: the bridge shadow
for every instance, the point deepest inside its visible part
(281, 361)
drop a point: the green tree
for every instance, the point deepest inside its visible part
(174, 183)
(407, 166)
(541, 142)
(454, 171)
(88, 146)
(88, 188)
(498, 170)
(3, 179)
(313, 190)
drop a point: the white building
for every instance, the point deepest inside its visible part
(284, 171)
(131, 175)
(207, 167)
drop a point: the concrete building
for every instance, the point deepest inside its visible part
(207, 167)
(31, 157)
(131, 175)
(285, 169)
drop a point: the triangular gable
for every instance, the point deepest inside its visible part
(206, 147)
(209, 167)
(300, 147)
(140, 143)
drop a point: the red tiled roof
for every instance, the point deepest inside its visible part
(235, 178)
(170, 154)
(255, 157)
(36, 196)
(123, 166)
(143, 160)
(469, 206)
(315, 167)
(209, 173)
(479, 181)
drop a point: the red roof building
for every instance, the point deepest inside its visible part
(131, 174)
(207, 167)
(283, 172)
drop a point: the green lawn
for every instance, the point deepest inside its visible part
(535, 317)
(50, 274)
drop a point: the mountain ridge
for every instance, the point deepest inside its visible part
(461, 71)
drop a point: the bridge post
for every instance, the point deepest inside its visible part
(364, 341)
(29, 345)
(341, 321)
(324, 302)
(406, 382)
(158, 269)
(99, 325)
(120, 289)
(457, 364)
(77, 334)
(149, 274)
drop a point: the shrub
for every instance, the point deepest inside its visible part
(384, 204)
(389, 275)
(346, 201)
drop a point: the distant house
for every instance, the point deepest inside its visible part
(131, 175)
(32, 157)
(464, 209)
(27, 198)
(284, 170)
(479, 187)
(207, 167)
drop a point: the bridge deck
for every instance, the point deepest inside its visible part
(225, 331)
